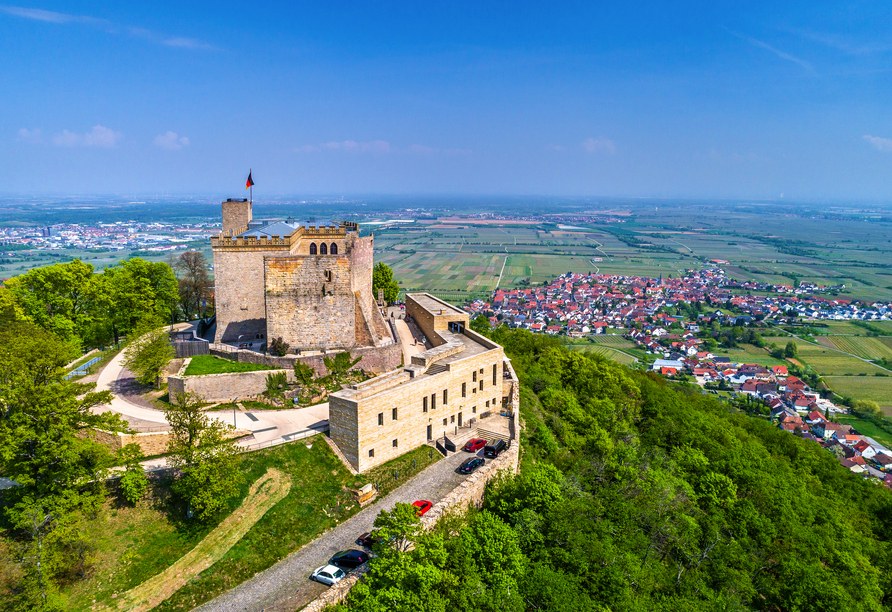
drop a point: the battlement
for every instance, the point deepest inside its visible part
(249, 242)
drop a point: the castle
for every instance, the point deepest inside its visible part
(309, 283)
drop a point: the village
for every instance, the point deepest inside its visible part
(679, 344)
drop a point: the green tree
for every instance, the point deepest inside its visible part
(136, 290)
(340, 364)
(134, 482)
(194, 283)
(207, 459)
(791, 350)
(46, 447)
(303, 373)
(399, 528)
(382, 278)
(481, 325)
(149, 352)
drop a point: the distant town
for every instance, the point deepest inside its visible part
(108, 236)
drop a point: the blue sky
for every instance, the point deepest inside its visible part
(668, 99)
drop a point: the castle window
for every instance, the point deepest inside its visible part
(327, 275)
(475, 376)
(380, 418)
(444, 396)
(464, 389)
(481, 384)
(395, 443)
(452, 419)
(312, 248)
(444, 422)
(494, 371)
(371, 453)
(393, 414)
(473, 409)
(424, 404)
(333, 249)
(433, 401)
(323, 249)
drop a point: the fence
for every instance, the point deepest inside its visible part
(82, 369)
(300, 435)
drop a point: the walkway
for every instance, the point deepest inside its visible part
(407, 339)
(286, 585)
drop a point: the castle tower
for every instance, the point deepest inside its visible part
(236, 216)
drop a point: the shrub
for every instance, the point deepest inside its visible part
(278, 347)
(276, 382)
(134, 481)
(303, 373)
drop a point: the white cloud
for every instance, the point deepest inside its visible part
(599, 145)
(107, 26)
(97, 137)
(351, 146)
(31, 136)
(171, 141)
(881, 144)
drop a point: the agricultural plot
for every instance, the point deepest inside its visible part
(862, 346)
(615, 341)
(606, 352)
(826, 361)
(748, 353)
(430, 271)
(874, 388)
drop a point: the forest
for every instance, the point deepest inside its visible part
(637, 495)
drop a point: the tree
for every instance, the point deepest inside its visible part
(481, 325)
(46, 447)
(791, 350)
(399, 528)
(278, 347)
(207, 460)
(303, 373)
(149, 353)
(382, 278)
(195, 283)
(136, 290)
(340, 364)
(134, 482)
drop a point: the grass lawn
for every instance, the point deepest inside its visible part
(133, 544)
(211, 364)
(866, 428)
(874, 388)
(252, 405)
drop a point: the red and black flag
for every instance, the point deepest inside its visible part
(250, 182)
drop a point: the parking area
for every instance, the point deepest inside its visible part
(286, 586)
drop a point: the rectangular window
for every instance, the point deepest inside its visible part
(464, 389)
(487, 403)
(395, 444)
(393, 414)
(433, 401)
(481, 385)
(371, 452)
(444, 422)
(444, 397)
(424, 404)
(494, 371)
(452, 420)
(473, 409)
(380, 419)
(474, 376)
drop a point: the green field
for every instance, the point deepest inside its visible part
(862, 346)
(209, 364)
(615, 341)
(826, 361)
(748, 353)
(866, 428)
(874, 388)
(606, 352)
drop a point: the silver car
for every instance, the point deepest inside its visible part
(328, 574)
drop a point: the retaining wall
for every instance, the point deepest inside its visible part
(221, 387)
(374, 359)
(468, 492)
(154, 443)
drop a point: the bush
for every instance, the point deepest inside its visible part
(303, 373)
(134, 481)
(276, 382)
(278, 347)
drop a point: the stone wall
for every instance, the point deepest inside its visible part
(310, 301)
(222, 387)
(236, 216)
(154, 443)
(239, 295)
(374, 359)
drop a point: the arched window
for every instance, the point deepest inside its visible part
(333, 249)
(323, 249)
(312, 248)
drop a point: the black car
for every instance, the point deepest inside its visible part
(470, 465)
(348, 559)
(495, 449)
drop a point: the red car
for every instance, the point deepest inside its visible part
(422, 506)
(474, 444)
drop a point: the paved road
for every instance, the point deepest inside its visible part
(286, 586)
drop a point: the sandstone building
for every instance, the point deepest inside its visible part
(309, 283)
(458, 379)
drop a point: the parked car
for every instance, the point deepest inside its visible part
(469, 465)
(495, 449)
(349, 559)
(474, 444)
(367, 540)
(422, 506)
(328, 574)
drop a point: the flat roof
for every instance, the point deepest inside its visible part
(433, 305)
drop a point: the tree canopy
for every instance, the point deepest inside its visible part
(382, 278)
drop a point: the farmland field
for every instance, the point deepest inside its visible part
(866, 428)
(604, 351)
(613, 340)
(874, 388)
(862, 346)
(826, 361)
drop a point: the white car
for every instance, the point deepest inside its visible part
(328, 574)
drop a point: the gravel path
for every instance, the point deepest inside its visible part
(286, 586)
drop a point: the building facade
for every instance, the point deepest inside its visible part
(309, 283)
(458, 379)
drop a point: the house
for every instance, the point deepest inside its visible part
(883, 460)
(826, 430)
(864, 449)
(851, 465)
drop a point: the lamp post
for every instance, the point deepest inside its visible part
(234, 403)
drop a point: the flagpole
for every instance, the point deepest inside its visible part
(250, 171)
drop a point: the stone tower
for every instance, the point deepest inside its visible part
(236, 216)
